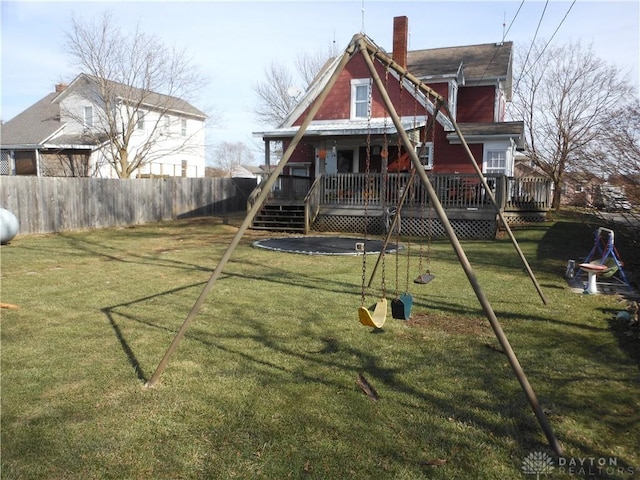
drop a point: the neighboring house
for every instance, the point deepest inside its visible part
(476, 80)
(581, 189)
(65, 133)
(261, 172)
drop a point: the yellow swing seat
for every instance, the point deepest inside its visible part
(377, 319)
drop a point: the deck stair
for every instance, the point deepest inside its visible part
(283, 217)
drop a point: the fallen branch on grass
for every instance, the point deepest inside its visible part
(366, 387)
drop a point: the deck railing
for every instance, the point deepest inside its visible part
(463, 191)
(286, 187)
(528, 194)
(312, 204)
(459, 191)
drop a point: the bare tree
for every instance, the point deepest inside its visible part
(275, 97)
(309, 64)
(566, 96)
(132, 75)
(623, 140)
(230, 155)
(279, 91)
(65, 164)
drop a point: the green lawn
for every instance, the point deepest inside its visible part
(263, 386)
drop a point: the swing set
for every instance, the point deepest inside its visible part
(360, 44)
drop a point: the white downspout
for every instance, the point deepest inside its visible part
(37, 162)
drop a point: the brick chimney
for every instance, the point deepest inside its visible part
(60, 87)
(400, 40)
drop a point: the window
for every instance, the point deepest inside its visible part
(167, 122)
(426, 158)
(140, 124)
(299, 171)
(360, 90)
(495, 162)
(183, 124)
(453, 98)
(88, 117)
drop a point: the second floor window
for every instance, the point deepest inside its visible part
(360, 90)
(88, 117)
(183, 124)
(140, 124)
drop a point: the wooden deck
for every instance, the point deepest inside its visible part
(343, 202)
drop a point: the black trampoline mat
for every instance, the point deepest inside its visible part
(323, 245)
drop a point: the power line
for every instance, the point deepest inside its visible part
(524, 64)
(548, 42)
(556, 31)
(504, 35)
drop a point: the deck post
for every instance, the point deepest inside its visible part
(464, 262)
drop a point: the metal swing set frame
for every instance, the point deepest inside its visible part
(363, 45)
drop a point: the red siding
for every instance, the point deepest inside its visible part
(449, 158)
(337, 106)
(475, 104)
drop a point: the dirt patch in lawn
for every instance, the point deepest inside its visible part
(451, 325)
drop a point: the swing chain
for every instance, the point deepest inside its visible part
(366, 195)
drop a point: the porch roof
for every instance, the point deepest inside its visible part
(335, 128)
(483, 132)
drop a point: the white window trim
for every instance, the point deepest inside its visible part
(355, 83)
(183, 127)
(428, 156)
(453, 98)
(498, 147)
(140, 121)
(500, 105)
(88, 120)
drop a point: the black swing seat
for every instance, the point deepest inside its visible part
(424, 278)
(401, 307)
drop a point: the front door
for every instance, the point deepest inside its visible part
(331, 163)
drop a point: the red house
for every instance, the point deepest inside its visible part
(351, 153)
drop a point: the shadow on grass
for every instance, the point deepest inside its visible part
(627, 337)
(110, 313)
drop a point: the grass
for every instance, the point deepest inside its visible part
(263, 384)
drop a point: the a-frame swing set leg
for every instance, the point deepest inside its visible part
(268, 184)
(464, 262)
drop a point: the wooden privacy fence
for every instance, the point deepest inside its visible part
(57, 204)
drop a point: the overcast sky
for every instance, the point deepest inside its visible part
(233, 42)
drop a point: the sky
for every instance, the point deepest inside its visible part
(232, 43)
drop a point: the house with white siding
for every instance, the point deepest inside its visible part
(85, 128)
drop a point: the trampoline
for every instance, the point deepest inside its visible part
(324, 245)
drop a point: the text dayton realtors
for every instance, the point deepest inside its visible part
(592, 466)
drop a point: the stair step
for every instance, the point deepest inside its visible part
(289, 218)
